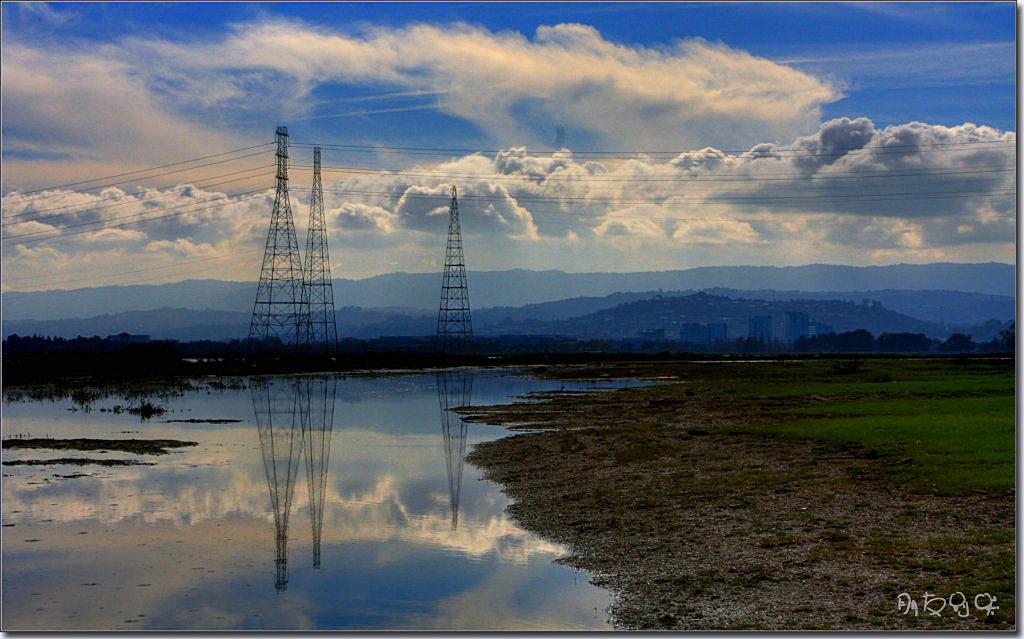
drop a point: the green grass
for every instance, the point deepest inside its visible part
(909, 378)
(935, 425)
(948, 429)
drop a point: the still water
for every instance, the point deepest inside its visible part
(332, 503)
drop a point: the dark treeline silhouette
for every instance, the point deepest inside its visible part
(862, 341)
(858, 341)
(40, 359)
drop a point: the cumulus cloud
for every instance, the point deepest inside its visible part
(844, 190)
(904, 191)
(181, 97)
(46, 238)
(356, 216)
(79, 113)
(848, 186)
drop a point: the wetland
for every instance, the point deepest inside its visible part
(273, 502)
(642, 494)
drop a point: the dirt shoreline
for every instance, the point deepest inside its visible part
(696, 521)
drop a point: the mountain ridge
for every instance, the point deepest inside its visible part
(517, 287)
(574, 316)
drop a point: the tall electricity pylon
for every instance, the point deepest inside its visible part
(453, 317)
(280, 309)
(321, 329)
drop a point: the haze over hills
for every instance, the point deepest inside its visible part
(517, 287)
(617, 316)
(669, 313)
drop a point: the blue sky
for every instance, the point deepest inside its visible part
(94, 89)
(943, 63)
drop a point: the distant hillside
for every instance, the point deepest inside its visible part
(182, 324)
(189, 325)
(957, 308)
(669, 313)
(516, 288)
(954, 308)
(623, 320)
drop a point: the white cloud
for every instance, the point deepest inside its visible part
(85, 112)
(82, 109)
(160, 92)
(847, 190)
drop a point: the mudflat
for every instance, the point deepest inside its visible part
(857, 494)
(138, 446)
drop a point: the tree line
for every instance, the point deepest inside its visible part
(862, 341)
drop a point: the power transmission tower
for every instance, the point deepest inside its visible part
(318, 295)
(280, 310)
(453, 317)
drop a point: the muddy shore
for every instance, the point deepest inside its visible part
(696, 518)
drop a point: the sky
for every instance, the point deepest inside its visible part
(137, 138)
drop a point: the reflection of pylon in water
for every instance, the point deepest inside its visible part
(319, 396)
(454, 389)
(280, 419)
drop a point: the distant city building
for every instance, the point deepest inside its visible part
(717, 332)
(653, 334)
(693, 333)
(702, 333)
(760, 328)
(796, 325)
(817, 328)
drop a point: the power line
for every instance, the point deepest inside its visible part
(556, 223)
(598, 223)
(152, 168)
(89, 205)
(662, 200)
(867, 197)
(532, 211)
(702, 218)
(102, 186)
(646, 218)
(94, 222)
(60, 235)
(131, 283)
(233, 255)
(839, 199)
(774, 151)
(638, 179)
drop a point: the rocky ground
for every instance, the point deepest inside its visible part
(675, 498)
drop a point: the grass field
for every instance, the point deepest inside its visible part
(951, 425)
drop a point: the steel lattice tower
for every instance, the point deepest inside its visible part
(453, 317)
(280, 310)
(318, 295)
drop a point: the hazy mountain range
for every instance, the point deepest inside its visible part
(515, 288)
(221, 310)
